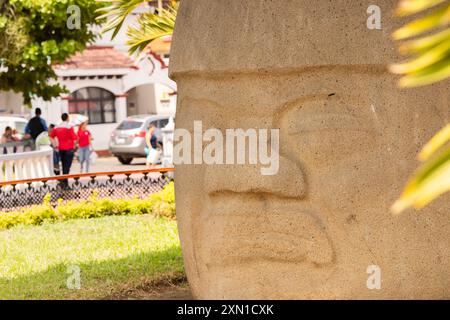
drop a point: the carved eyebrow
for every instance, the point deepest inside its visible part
(294, 103)
(312, 123)
(210, 104)
(285, 107)
(330, 121)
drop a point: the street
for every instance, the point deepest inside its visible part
(106, 164)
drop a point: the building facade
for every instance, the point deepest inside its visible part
(106, 85)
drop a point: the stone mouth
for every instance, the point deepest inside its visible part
(274, 247)
(247, 227)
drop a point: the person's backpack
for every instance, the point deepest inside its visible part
(36, 127)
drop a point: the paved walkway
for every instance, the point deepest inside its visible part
(106, 164)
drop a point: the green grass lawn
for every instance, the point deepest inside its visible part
(114, 253)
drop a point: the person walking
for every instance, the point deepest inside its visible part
(66, 143)
(54, 145)
(152, 149)
(84, 146)
(36, 125)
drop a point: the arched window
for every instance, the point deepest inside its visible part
(96, 103)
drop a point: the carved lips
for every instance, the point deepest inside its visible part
(253, 226)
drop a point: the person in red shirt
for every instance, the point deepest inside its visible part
(66, 143)
(84, 144)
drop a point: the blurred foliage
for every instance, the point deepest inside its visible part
(428, 40)
(13, 37)
(148, 27)
(33, 37)
(431, 45)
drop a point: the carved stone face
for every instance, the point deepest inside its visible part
(348, 138)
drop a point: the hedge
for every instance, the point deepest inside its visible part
(161, 203)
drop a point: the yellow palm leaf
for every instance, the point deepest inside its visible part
(439, 140)
(430, 182)
(421, 25)
(409, 7)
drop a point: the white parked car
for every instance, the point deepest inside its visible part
(128, 139)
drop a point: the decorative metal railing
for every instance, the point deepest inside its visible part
(115, 185)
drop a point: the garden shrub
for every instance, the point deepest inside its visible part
(161, 203)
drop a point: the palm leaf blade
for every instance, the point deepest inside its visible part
(429, 183)
(409, 7)
(422, 25)
(440, 139)
(437, 72)
(117, 12)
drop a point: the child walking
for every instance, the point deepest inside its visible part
(84, 146)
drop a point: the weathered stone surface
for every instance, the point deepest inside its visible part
(348, 140)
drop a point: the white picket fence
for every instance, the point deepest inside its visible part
(26, 165)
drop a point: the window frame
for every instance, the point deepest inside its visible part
(105, 97)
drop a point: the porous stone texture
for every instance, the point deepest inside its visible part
(348, 141)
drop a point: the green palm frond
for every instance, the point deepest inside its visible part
(432, 52)
(430, 64)
(148, 26)
(422, 25)
(115, 12)
(151, 27)
(429, 182)
(437, 142)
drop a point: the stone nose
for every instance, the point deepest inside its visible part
(288, 182)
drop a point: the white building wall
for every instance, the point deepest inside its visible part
(12, 103)
(146, 99)
(165, 102)
(51, 110)
(148, 73)
(101, 134)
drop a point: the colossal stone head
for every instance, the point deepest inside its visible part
(347, 144)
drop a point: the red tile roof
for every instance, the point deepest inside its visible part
(98, 57)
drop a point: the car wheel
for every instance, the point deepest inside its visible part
(124, 160)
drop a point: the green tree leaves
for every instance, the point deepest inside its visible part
(33, 37)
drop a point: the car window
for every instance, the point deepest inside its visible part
(130, 124)
(154, 122)
(163, 123)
